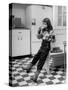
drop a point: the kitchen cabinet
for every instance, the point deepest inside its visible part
(20, 42)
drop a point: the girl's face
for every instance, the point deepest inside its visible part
(45, 24)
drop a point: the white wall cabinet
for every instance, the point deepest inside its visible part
(20, 42)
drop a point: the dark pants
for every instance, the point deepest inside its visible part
(41, 56)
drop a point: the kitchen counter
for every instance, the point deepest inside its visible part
(17, 28)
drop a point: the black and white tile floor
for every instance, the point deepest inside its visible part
(19, 77)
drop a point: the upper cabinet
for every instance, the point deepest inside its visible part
(19, 15)
(59, 17)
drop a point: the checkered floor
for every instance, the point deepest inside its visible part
(19, 76)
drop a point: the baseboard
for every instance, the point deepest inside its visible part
(19, 57)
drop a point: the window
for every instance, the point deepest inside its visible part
(61, 13)
(64, 16)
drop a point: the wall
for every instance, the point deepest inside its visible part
(38, 13)
(60, 37)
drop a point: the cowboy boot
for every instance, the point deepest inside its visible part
(34, 78)
(28, 67)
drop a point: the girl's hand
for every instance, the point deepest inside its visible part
(39, 36)
(51, 32)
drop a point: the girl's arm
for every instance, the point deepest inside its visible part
(39, 34)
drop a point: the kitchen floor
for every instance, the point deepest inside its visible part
(19, 76)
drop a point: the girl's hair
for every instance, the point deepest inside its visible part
(49, 26)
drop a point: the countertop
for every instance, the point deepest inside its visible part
(17, 28)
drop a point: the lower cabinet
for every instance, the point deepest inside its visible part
(20, 42)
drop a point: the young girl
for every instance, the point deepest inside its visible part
(44, 33)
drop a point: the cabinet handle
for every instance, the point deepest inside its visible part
(19, 38)
(19, 32)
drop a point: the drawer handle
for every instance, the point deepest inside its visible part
(19, 32)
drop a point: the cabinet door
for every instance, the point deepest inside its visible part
(20, 42)
(16, 43)
(26, 41)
